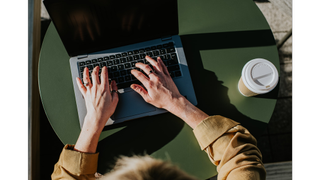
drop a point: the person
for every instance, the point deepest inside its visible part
(229, 145)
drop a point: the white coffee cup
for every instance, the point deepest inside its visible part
(259, 76)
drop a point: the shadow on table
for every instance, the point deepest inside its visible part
(143, 136)
(213, 97)
(138, 137)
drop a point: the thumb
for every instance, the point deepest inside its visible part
(140, 90)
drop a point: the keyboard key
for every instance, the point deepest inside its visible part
(109, 63)
(135, 57)
(123, 73)
(136, 52)
(127, 77)
(100, 59)
(82, 63)
(110, 75)
(166, 57)
(116, 61)
(123, 60)
(120, 67)
(88, 62)
(170, 50)
(90, 67)
(103, 64)
(120, 79)
(150, 54)
(174, 56)
(116, 74)
(147, 49)
(124, 54)
(118, 55)
(159, 46)
(155, 53)
(130, 53)
(114, 68)
(106, 58)
(94, 60)
(162, 51)
(172, 62)
(165, 45)
(133, 64)
(95, 65)
(82, 69)
(141, 50)
(112, 57)
(173, 68)
(153, 47)
(142, 56)
(127, 65)
(129, 58)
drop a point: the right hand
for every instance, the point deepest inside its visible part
(163, 93)
(160, 89)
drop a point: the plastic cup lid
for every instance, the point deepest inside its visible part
(260, 75)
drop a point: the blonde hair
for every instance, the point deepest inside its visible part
(145, 168)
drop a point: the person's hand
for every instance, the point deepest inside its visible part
(163, 93)
(160, 89)
(101, 101)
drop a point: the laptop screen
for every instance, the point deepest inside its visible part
(87, 26)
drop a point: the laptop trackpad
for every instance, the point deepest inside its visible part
(131, 103)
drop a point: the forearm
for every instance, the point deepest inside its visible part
(88, 138)
(186, 111)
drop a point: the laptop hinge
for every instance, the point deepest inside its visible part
(166, 38)
(82, 56)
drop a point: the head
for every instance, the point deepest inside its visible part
(145, 168)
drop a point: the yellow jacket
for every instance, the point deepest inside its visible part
(229, 146)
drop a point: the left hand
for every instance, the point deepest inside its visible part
(101, 101)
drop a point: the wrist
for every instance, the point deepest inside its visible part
(89, 136)
(94, 124)
(175, 105)
(186, 111)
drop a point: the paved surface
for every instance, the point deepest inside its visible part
(275, 143)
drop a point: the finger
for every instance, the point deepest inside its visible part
(114, 87)
(154, 63)
(95, 75)
(81, 87)
(163, 67)
(141, 77)
(105, 78)
(146, 68)
(86, 78)
(140, 90)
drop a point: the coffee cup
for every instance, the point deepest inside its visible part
(259, 76)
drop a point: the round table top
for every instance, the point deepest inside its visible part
(218, 37)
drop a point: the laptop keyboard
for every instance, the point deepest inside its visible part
(120, 65)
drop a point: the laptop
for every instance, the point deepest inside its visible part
(118, 34)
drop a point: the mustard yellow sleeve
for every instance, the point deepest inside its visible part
(231, 148)
(75, 165)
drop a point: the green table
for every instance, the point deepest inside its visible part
(219, 37)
